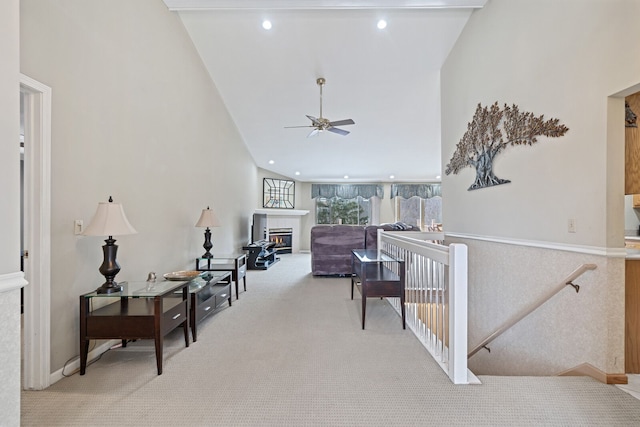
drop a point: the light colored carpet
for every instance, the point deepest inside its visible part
(291, 352)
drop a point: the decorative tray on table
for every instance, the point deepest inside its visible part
(181, 275)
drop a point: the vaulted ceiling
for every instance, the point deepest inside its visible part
(386, 80)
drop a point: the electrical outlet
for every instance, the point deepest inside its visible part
(572, 225)
(78, 226)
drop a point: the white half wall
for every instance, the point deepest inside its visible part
(568, 330)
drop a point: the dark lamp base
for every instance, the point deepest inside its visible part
(109, 288)
(109, 268)
(207, 244)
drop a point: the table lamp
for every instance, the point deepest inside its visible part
(207, 219)
(109, 220)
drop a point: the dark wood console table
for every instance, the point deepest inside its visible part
(209, 292)
(144, 310)
(261, 255)
(376, 279)
(236, 264)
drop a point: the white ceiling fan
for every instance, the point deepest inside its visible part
(320, 123)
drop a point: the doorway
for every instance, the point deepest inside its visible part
(36, 233)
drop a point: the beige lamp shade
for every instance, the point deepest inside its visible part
(208, 219)
(109, 220)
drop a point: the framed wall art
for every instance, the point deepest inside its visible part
(278, 193)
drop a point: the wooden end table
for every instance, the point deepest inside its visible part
(236, 264)
(376, 279)
(144, 310)
(209, 292)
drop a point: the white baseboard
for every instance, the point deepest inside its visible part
(74, 367)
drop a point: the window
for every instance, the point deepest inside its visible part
(418, 211)
(432, 211)
(357, 204)
(336, 210)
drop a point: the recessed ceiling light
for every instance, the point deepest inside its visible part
(271, 162)
(438, 177)
(266, 24)
(297, 173)
(391, 176)
(346, 177)
(382, 24)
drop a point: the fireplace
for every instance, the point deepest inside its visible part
(283, 238)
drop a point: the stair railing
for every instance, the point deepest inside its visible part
(436, 296)
(568, 281)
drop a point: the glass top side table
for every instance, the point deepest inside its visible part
(376, 279)
(208, 293)
(235, 263)
(142, 289)
(372, 256)
(142, 310)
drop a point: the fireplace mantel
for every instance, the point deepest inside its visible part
(282, 212)
(285, 218)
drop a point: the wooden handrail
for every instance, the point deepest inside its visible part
(568, 281)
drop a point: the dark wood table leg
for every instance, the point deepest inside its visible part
(84, 342)
(185, 326)
(188, 302)
(402, 293)
(192, 317)
(159, 352)
(404, 322)
(157, 314)
(364, 300)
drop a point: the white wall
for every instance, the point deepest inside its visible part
(134, 116)
(9, 213)
(564, 60)
(548, 59)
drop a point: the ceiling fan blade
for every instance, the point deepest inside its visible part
(315, 121)
(320, 123)
(338, 131)
(342, 122)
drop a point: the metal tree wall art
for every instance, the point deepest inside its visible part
(491, 131)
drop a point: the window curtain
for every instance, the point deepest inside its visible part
(346, 191)
(425, 191)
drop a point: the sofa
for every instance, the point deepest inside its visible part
(331, 245)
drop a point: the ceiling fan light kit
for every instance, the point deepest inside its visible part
(321, 123)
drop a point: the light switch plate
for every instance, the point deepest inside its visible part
(78, 226)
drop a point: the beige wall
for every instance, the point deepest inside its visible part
(9, 212)
(135, 116)
(545, 58)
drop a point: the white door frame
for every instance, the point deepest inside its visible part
(36, 349)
